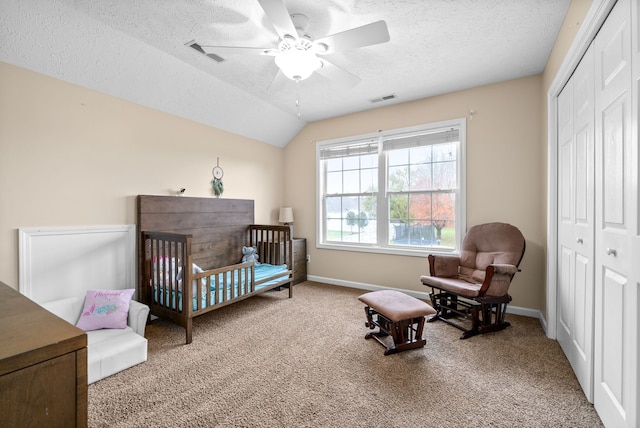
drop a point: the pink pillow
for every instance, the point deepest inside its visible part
(105, 309)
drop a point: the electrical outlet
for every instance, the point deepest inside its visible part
(308, 258)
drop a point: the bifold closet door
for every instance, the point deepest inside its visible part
(576, 221)
(616, 218)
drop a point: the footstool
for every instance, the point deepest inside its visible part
(398, 315)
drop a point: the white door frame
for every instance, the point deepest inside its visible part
(587, 32)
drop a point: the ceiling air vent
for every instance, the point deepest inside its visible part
(384, 98)
(197, 47)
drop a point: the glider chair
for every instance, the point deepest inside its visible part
(472, 288)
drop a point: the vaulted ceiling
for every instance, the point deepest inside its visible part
(139, 50)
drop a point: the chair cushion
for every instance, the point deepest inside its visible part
(478, 249)
(97, 336)
(454, 285)
(111, 351)
(395, 305)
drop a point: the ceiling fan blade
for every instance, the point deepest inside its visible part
(366, 35)
(278, 82)
(279, 16)
(337, 74)
(237, 50)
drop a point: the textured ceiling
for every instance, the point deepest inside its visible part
(136, 50)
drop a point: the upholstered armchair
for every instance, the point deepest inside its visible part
(472, 288)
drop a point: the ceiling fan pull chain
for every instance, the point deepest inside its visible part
(298, 97)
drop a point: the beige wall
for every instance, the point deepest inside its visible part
(506, 172)
(70, 156)
(504, 179)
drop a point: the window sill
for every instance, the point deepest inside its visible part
(395, 251)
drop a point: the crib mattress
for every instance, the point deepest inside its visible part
(231, 284)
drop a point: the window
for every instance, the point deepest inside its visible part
(399, 192)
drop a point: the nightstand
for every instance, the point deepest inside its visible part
(299, 260)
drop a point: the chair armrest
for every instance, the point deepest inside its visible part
(138, 314)
(497, 280)
(444, 266)
(505, 269)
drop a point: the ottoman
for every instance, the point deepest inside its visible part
(397, 315)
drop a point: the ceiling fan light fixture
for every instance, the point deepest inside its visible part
(289, 39)
(321, 48)
(298, 61)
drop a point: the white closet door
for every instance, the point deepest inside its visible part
(576, 221)
(633, 315)
(616, 295)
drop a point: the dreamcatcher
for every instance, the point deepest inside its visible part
(218, 187)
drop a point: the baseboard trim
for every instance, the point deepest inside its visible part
(516, 310)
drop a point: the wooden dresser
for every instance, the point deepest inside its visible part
(43, 366)
(299, 260)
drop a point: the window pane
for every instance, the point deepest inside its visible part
(420, 208)
(369, 161)
(351, 219)
(420, 177)
(415, 234)
(399, 208)
(334, 165)
(333, 215)
(352, 162)
(420, 154)
(413, 226)
(334, 182)
(398, 157)
(398, 178)
(352, 181)
(333, 207)
(361, 222)
(444, 175)
(444, 209)
(444, 152)
(369, 180)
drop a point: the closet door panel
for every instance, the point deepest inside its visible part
(576, 221)
(613, 168)
(565, 308)
(583, 224)
(613, 370)
(566, 238)
(582, 308)
(616, 329)
(633, 297)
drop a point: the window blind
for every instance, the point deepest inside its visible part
(351, 149)
(422, 139)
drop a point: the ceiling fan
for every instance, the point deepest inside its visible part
(298, 55)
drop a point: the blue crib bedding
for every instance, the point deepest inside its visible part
(231, 284)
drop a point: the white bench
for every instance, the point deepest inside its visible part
(109, 351)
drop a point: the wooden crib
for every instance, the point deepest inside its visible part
(190, 254)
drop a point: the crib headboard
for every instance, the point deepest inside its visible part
(218, 226)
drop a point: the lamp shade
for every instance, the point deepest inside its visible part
(286, 215)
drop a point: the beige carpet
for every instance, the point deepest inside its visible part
(270, 361)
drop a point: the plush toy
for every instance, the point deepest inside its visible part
(249, 254)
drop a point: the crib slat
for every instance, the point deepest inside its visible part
(165, 254)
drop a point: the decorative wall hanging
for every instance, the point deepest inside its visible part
(217, 172)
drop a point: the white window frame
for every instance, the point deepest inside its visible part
(460, 210)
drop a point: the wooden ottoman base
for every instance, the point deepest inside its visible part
(397, 315)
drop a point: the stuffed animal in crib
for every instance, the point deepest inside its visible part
(249, 254)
